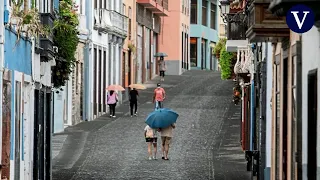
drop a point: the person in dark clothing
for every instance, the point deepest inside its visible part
(133, 98)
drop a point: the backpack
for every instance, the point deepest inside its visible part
(149, 133)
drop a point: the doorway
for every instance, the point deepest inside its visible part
(285, 118)
(312, 124)
(129, 68)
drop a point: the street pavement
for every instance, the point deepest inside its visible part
(205, 145)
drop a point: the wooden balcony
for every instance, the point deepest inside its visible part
(159, 7)
(263, 25)
(281, 7)
(236, 31)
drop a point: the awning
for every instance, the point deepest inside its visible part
(233, 45)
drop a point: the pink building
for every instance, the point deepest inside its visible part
(175, 37)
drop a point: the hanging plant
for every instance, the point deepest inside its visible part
(66, 39)
(27, 20)
(132, 47)
(221, 44)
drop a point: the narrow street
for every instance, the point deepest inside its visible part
(205, 144)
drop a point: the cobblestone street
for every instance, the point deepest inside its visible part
(205, 144)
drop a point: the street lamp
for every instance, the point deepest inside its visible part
(225, 7)
(227, 16)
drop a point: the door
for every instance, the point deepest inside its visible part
(129, 68)
(6, 129)
(154, 64)
(139, 55)
(123, 69)
(147, 54)
(17, 132)
(312, 123)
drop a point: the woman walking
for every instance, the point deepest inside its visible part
(112, 100)
(151, 138)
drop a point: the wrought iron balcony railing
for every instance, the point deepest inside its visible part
(236, 31)
(119, 22)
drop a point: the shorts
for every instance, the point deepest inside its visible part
(165, 140)
(153, 140)
(162, 73)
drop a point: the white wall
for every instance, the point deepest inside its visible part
(310, 61)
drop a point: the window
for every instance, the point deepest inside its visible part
(204, 12)
(213, 16)
(100, 4)
(129, 25)
(193, 52)
(81, 10)
(95, 4)
(194, 16)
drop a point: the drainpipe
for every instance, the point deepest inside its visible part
(1, 72)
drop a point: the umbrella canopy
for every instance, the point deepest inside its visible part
(137, 86)
(162, 118)
(115, 87)
(160, 54)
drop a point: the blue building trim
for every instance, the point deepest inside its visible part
(12, 133)
(204, 32)
(252, 114)
(18, 56)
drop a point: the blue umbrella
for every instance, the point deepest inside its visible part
(162, 118)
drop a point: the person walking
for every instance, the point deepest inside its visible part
(159, 94)
(112, 99)
(166, 137)
(162, 68)
(151, 138)
(133, 98)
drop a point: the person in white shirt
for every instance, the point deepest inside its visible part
(151, 138)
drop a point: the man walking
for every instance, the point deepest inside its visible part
(159, 95)
(166, 137)
(133, 98)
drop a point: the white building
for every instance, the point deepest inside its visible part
(310, 103)
(108, 28)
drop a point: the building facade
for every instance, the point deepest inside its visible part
(204, 16)
(148, 21)
(103, 61)
(25, 97)
(174, 38)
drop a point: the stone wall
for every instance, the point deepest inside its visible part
(77, 85)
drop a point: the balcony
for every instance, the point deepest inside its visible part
(46, 43)
(236, 31)
(120, 23)
(159, 7)
(263, 25)
(281, 7)
(102, 20)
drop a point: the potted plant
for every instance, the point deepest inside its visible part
(132, 47)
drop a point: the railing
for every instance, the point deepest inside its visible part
(163, 3)
(119, 21)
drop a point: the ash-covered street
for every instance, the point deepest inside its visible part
(205, 144)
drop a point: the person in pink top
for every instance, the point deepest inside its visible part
(112, 100)
(159, 95)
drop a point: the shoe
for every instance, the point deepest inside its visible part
(110, 115)
(114, 116)
(154, 158)
(150, 158)
(135, 114)
(162, 157)
(131, 116)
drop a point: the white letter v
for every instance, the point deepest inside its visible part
(295, 14)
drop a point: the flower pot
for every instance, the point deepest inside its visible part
(15, 20)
